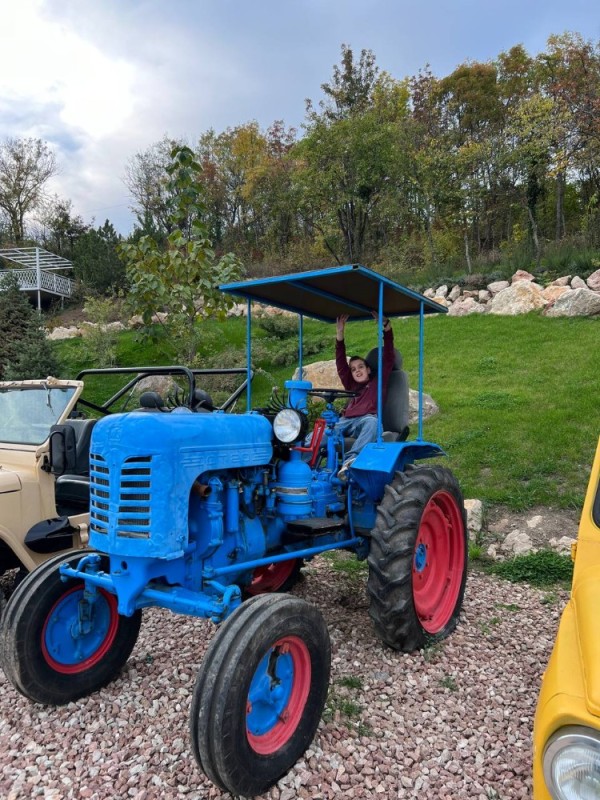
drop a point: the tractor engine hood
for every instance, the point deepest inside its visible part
(143, 466)
(9, 481)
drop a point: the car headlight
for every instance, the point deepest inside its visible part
(289, 425)
(572, 764)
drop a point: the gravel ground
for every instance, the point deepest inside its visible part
(453, 721)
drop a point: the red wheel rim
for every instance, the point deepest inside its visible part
(289, 716)
(438, 562)
(271, 577)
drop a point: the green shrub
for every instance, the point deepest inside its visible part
(100, 341)
(543, 568)
(279, 326)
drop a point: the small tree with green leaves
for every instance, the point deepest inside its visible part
(25, 352)
(182, 279)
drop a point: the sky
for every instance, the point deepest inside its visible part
(102, 80)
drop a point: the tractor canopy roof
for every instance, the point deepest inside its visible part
(325, 294)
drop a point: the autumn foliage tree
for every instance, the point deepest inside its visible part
(496, 162)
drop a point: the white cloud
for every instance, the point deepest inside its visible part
(101, 80)
(42, 59)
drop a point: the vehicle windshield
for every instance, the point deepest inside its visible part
(28, 412)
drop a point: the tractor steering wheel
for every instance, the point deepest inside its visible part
(331, 394)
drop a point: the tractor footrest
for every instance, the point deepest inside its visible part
(313, 526)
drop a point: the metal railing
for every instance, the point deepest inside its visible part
(39, 271)
(48, 281)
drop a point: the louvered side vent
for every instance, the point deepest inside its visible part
(99, 494)
(133, 521)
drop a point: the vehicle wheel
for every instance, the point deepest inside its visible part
(20, 576)
(418, 558)
(279, 577)
(41, 653)
(260, 693)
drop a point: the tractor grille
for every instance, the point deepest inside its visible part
(132, 489)
(99, 486)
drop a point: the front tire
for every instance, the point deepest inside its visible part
(44, 653)
(260, 693)
(418, 559)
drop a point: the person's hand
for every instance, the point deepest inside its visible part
(386, 322)
(340, 324)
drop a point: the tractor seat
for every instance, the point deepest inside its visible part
(202, 401)
(151, 401)
(396, 408)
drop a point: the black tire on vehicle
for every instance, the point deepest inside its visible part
(418, 558)
(260, 693)
(40, 655)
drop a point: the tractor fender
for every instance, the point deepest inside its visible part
(376, 464)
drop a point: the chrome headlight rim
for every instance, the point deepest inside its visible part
(289, 426)
(569, 736)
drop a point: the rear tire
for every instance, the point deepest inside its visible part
(41, 655)
(260, 693)
(418, 559)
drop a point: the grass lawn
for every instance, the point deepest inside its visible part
(518, 396)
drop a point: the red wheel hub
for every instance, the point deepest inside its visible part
(438, 562)
(271, 577)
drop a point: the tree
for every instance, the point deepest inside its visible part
(60, 227)
(351, 89)
(96, 260)
(147, 181)
(174, 279)
(25, 167)
(350, 157)
(25, 352)
(570, 75)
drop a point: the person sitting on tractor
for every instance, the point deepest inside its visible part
(359, 418)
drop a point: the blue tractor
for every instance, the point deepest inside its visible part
(212, 514)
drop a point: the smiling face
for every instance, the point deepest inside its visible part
(361, 371)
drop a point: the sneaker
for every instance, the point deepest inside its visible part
(343, 471)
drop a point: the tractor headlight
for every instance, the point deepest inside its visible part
(289, 425)
(572, 764)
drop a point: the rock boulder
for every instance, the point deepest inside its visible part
(594, 281)
(520, 298)
(576, 303)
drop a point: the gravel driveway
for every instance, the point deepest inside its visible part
(453, 721)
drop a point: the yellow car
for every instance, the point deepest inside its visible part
(566, 733)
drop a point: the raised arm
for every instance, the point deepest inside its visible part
(341, 362)
(388, 346)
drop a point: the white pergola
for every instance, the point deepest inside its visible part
(38, 272)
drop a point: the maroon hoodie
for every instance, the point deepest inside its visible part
(366, 400)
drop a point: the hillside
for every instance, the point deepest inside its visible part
(518, 396)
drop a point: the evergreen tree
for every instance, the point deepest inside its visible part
(24, 351)
(97, 264)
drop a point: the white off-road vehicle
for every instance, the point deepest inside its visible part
(35, 520)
